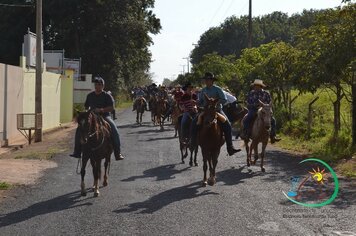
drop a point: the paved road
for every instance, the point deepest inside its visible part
(151, 193)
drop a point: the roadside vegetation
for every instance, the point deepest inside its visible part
(308, 61)
(5, 186)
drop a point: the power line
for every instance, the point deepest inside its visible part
(14, 5)
(216, 12)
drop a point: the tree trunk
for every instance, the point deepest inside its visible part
(353, 110)
(337, 105)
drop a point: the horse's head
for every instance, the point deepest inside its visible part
(265, 114)
(210, 110)
(87, 126)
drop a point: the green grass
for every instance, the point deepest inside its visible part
(348, 169)
(5, 186)
(124, 105)
(321, 144)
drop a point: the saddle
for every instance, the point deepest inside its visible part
(218, 116)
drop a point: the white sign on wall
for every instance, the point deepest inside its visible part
(54, 60)
(30, 48)
(73, 64)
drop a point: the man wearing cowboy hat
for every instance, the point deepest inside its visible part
(215, 92)
(258, 93)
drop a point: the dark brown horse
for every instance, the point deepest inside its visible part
(210, 139)
(140, 109)
(96, 145)
(235, 113)
(184, 144)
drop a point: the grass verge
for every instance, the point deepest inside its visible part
(5, 186)
(42, 155)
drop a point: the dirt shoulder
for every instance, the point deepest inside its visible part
(25, 165)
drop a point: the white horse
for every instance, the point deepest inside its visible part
(260, 134)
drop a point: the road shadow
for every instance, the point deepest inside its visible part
(60, 203)
(287, 165)
(158, 139)
(235, 176)
(165, 172)
(166, 198)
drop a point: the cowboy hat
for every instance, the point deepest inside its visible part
(178, 86)
(209, 75)
(258, 82)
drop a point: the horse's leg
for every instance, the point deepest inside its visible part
(247, 153)
(106, 165)
(137, 114)
(195, 155)
(211, 170)
(255, 150)
(263, 153)
(205, 168)
(182, 151)
(252, 149)
(215, 163)
(141, 118)
(82, 172)
(96, 174)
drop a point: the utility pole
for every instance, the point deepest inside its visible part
(38, 88)
(183, 72)
(250, 25)
(187, 58)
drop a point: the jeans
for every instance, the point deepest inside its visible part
(114, 135)
(184, 123)
(226, 127)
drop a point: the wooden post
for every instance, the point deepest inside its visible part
(310, 117)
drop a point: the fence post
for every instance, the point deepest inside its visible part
(310, 116)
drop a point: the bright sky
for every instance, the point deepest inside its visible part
(183, 21)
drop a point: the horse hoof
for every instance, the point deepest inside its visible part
(191, 164)
(263, 169)
(204, 184)
(183, 162)
(248, 164)
(196, 164)
(105, 184)
(96, 194)
(83, 194)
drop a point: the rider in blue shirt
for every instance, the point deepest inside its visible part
(254, 96)
(102, 103)
(215, 92)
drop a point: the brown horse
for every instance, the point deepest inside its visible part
(140, 109)
(260, 134)
(210, 139)
(160, 111)
(96, 145)
(176, 114)
(184, 144)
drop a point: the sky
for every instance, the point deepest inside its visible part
(183, 21)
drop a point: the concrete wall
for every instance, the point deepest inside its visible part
(67, 97)
(82, 88)
(51, 91)
(14, 77)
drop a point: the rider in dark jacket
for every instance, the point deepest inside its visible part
(102, 103)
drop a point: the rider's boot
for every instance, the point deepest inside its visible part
(118, 155)
(275, 139)
(77, 148)
(228, 138)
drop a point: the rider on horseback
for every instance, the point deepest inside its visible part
(177, 95)
(139, 94)
(254, 96)
(216, 92)
(102, 103)
(189, 103)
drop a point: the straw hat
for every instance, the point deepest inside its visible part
(258, 82)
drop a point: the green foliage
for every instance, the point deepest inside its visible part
(111, 36)
(4, 186)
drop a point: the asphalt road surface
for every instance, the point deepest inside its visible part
(151, 193)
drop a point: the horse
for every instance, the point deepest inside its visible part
(235, 113)
(140, 109)
(160, 111)
(210, 139)
(176, 114)
(260, 134)
(184, 144)
(96, 143)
